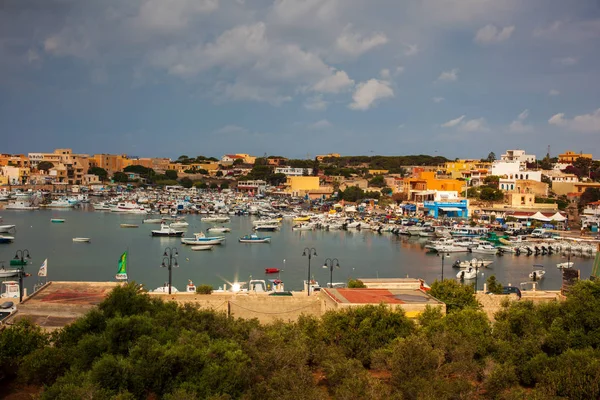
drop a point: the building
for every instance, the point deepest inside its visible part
(110, 162)
(289, 171)
(517, 155)
(591, 215)
(255, 186)
(276, 161)
(456, 169)
(451, 209)
(248, 159)
(559, 176)
(379, 171)
(307, 186)
(511, 171)
(539, 189)
(569, 157)
(15, 175)
(566, 188)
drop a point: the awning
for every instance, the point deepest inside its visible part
(450, 209)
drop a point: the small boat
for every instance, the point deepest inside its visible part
(272, 270)
(165, 289)
(472, 263)
(153, 221)
(469, 273)
(201, 238)
(129, 226)
(166, 230)
(255, 239)
(7, 273)
(537, 273)
(81, 240)
(565, 265)
(57, 220)
(6, 239)
(6, 228)
(301, 218)
(266, 227)
(222, 229)
(216, 218)
(181, 224)
(485, 249)
(201, 247)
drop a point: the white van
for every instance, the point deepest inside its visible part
(538, 232)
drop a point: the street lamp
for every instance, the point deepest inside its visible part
(329, 263)
(443, 255)
(170, 261)
(309, 252)
(22, 255)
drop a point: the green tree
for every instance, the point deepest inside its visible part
(186, 182)
(219, 173)
(120, 177)
(387, 191)
(99, 172)
(238, 161)
(455, 295)
(491, 194)
(493, 286)
(491, 157)
(171, 174)
(277, 179)
(352, 193)
(491, 180)
(356, 284)
(377, 181)
(45, 166)
(201, 185)
(16, 342)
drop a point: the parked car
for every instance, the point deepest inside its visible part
(511, 290)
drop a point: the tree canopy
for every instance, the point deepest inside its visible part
(99, 172)
(45, 166)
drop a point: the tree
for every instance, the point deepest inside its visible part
(491, 194)
(201, 185)
(493, 286)
(120, 177)
(139, 169)
(224, 185)
(171, 174)
(214, 186)
(219, 173)
(352, 193)
(377, 181)
(491, 180)
(455, 295)
(491, 157)
(186, 182)
(277, 179)
(99, 172)
(45, 166)
(589, 196)
(386, 191)
(356, 284)
(238, 161)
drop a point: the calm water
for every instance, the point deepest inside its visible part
(361, 254)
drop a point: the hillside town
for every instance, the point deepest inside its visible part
(516, 184)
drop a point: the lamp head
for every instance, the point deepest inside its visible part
(163, 265)
(176, 253)
(165, 254)
(325, 265)
(304, 253)
(16, 256)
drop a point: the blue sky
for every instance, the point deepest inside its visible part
(458, 78)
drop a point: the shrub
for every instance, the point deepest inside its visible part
(204, 289)
(356, 284)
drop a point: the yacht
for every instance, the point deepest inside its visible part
(59, 203)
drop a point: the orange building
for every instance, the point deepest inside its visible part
(571, 156)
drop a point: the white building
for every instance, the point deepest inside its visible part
(512, 171)
(289, 171)
(517, 155)
(559, 176)
(256, 186)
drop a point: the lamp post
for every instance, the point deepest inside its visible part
(443, 255)
(21, 255)
(309, 252)
(330, 263)
(170, 261)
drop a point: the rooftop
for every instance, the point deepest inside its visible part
(377, 296)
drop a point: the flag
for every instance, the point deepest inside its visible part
(44, 268)
(122, 272)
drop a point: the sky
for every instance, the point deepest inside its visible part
(297, 78)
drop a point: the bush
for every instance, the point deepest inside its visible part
(455, 295)
(356, 284)
(204, 289)
(493, 286)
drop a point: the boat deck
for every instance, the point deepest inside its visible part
(60, 303)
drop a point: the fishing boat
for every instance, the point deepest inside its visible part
(538, 273)
(469, 273)
(472, 263)
(201, 247)
(6, 239)
(81, 240)
(21, 205)
(201, 238)
(272, 270)
(129, 226)
(6, 228)
(166, 230)
(303, 227)
(255, 239)
(221, 229)
(565, 265)
(7, 273)
(57, 220)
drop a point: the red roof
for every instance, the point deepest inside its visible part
(369, 296)
(233, 156)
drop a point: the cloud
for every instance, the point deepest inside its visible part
(367, 93)
(553, 92)
(171, 16)
(240, 91)
(580, 123)
(320, 125)
(554, 27)
(411, 50)
(385, 73)
(566, 61)
(472, 125)
(231, 129)
(355, 44)
(438, 99)
(399, 70)
(335, 83)
(449, 76)
(518, 125)
(316, 103)
(453, 122)
(490, 34)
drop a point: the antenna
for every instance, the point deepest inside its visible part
(548, 152)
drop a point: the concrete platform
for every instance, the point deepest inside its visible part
(59, 303)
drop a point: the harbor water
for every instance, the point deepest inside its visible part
(361, 254)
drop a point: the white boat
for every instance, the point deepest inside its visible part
(21, 205)
(180, 224)
(538, 273)
(272, 221)
(165, 289)
(6, 238)
(7, 273)
(129, 207)
(303, 227)
(216, 219)
(166, 230)
(475, 262)
(484, 249)
(201, 247)
(255, 239)
(565, 265)
(201, 238)
(60, 203)
(268, 227)
(101, 206)
(153, 221)
(81, 240)
(6, 228)
(449, 248)
(217, 229)
(469, 273)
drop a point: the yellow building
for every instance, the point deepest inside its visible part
(570, 156)
(248, 159)
(378, 171)
(456, 168)
(301, 185)
(445, 185)
(110, 162)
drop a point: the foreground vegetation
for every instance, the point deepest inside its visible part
(135, 346)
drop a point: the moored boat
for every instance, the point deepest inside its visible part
(6, 228)
(255, 239)
(166, 230)
(57, 220)
(81, 240)
(272, 270)
(201, 247)
(129, 226)
(469, 273)
(201, 238)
